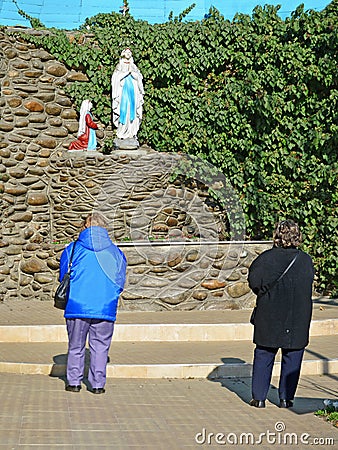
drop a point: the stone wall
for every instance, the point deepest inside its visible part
(35, 111)
(46, 192)
(189, 276)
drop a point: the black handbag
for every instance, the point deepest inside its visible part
(253, 314)
(62, 292)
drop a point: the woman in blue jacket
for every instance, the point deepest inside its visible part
(97, 278)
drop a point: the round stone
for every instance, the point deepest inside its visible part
(156, 260)
(10, 53)
(213, 284)
(13, 250)
(234, 276)
(55, 122)
(25, 280)
(53, 264)
(32, 73)
(57, 132)
(14, 102)
(47, 142)
(192, 255)
(37, 198)
(32, 266)
(238, 289)
(174, 259)
(46, 96)
(53, 110)
(200, 295)
(21, 123)
(43, 55)
(15, 190)
(63, 101)
(21, 112)
(77, 76)
(43, 278)
(172, 222)
(17, 172)
(4, 270)
(5, 152)
(6, 127)
(68, 114)
(25, 216)
(28, 233)
(57, 70)
(72, 127)
(44, 153)
(34, 106)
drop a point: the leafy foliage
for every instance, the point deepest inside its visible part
(256, 97)
(329, 413)
(35, 22)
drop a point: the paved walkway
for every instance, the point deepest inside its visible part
(37, 413)
(33, 312)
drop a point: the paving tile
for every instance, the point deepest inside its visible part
(42, 420)
(17, 312)
(8, 422)
(155, 353)
(46, 437)
(9, 437)
(155, 414)
(37, 413)
(42, 447)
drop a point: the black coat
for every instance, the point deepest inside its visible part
(284, 312)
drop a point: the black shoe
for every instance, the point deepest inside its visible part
(285, 403)
(98, 390)
(71, 388)
(257, 403)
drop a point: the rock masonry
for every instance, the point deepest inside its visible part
(46, 192)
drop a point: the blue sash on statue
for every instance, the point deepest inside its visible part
(128, 98)
(92, 138)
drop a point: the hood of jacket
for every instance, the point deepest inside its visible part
(95, 239)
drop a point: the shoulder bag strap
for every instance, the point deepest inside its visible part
(71, 257)
(271, 285)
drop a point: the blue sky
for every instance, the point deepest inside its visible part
(70, 14)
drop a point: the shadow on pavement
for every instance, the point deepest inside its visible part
(241, 386)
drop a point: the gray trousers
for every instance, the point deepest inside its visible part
(99, 334)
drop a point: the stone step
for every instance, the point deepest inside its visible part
(35, 312)
(158, 332)
(212, 359)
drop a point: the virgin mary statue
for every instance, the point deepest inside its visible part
(127, 100)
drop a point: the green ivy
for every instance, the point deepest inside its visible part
(256, 97)
(35, 23)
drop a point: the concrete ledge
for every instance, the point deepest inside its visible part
(156, 332)
(25, 368)
(33, 333)
(183, 332)
(210, 371)
(326, 327)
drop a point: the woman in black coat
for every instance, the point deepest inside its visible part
(283, 313)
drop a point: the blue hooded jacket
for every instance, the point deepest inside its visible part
(97, 275)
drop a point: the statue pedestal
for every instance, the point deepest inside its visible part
(126, 144)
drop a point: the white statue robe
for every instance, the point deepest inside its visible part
(129, 128)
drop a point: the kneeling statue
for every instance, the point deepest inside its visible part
(86, 135)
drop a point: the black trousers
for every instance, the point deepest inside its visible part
(264, 358)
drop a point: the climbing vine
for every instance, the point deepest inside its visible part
(257, 97)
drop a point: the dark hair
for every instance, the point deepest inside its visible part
(287, 234)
